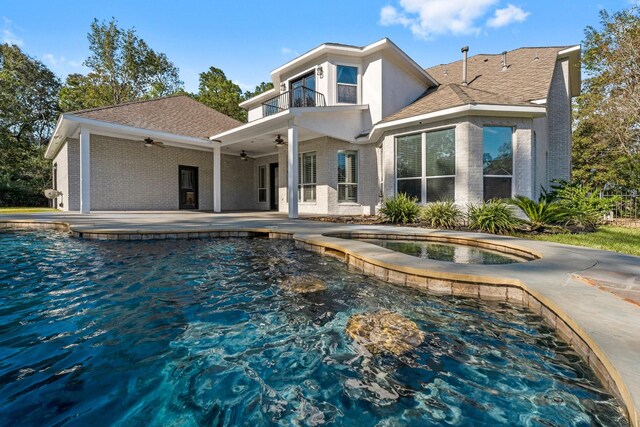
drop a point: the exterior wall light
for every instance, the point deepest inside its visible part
(283, 87)
(320, 71)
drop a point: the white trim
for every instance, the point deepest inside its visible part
(115, 129)
(570, 50)
(264, 95)
(352, 51)
(540, 101)
(469, 109)
(358, 84)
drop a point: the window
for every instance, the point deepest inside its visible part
(497, 161)
(347, 84)
(409, 165)
(307, 177)
(262, 184)
(441, 165)
(347, 176)
(425, 165)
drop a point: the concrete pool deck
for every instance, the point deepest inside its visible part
(590, 296)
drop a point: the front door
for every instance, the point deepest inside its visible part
(188, 187)
(273, 186)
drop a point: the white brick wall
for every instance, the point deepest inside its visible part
(559, 123)
(326, 149)
(62, 162)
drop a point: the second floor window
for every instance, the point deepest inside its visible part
(347, 91)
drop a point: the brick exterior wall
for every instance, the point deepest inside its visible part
(61, 161)
(326, 150)
(559, 123)
(126, 175)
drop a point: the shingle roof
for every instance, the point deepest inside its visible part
(527, 78)
(452, 95)
(178, 114)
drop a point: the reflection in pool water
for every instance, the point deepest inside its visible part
(461, 254)
(201, 332)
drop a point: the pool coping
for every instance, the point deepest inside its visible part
(493, 282)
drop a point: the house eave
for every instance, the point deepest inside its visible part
(459, 111)
(68, 125)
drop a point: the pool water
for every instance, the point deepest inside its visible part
(460, 254)
(200, 332)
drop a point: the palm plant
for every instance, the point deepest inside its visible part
(444, 214)
(544, 214)
(494, 217)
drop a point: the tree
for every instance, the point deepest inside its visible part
(123, 68)
(221, 94)
(28, 110)
(261, 88)
(607, 128)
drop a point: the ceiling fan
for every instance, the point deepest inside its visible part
(149, 142)
(279, 141)
(244, 156)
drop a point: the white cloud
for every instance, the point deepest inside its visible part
(430, 18)
(244, 86)
(289, 52)
(60, 62)
(8, 34)
(507, 15)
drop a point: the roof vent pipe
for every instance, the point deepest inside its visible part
(504, 61)
(464, 51)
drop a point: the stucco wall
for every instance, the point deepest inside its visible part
(327, 178)
(399, 88)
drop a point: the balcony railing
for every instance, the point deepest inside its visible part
(296, 97)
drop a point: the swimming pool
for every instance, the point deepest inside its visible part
(460, 254)
(202, 332)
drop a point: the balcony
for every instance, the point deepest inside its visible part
(298, 97)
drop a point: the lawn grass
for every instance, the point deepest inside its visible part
(25, 210)
(610, 238)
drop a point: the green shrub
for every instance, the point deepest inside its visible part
(441, 214)
(400, 209)
(588, 208)
(545, 213)
(494, 217)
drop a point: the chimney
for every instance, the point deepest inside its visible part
(464, 65)
(504, 61)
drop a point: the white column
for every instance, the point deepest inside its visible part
(292, 169)
(85, 171)
(217, 199)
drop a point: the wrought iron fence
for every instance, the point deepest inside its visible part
(297, 97)
(626, 206)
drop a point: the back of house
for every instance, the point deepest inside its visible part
(343, 128)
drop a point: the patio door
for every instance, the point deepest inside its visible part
(303, 91)
(188, 187)
(273, 186)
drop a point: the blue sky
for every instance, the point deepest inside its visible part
(248, 39)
